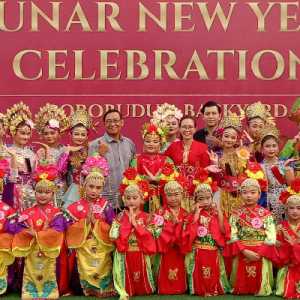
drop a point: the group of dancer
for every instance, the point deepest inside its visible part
(205, 212)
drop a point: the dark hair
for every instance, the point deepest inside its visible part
(110, 111)
(211, 104)
(187, 118)
(269, 137)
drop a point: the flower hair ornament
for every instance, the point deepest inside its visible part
(255, 171)
(292, 193)
(53, 116)
(171, 179)
(152, 129)
(203, 182)
(44, 177)
(95, 164)
(164, 111)
(95, 168)
(132, 181)
(17, 114)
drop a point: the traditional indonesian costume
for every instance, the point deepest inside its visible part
(171, 275)
(92, 245)
(205, 267)
(252, 229)
(40, 251)
(132, 268)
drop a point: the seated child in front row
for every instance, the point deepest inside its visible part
(171, 277)
(202, 239)
(288, 242)
(132, 232)
(252, 236)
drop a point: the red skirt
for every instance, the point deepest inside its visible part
(136, 278)
(206, 275)
(248, 276)
(172, 275)
(292, 283)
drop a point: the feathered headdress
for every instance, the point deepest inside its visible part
(53, 116)
(16, 115)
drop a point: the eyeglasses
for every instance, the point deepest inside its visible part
(114, 121)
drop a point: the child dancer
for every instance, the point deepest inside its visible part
(39, 237)
(171, 277)
(288, 237)
(252, 235)
(91, 218)
(202, 239)
(133, 234)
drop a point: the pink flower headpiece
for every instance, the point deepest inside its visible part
(95, 164)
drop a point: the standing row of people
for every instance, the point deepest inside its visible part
(174, 228)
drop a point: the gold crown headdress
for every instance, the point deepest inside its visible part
(163, 111)
(53, 116)
(250, 182)
(81, 116)
(270, 130)
(173, 186)
(258, 110)
(17, 114)
(232, 120)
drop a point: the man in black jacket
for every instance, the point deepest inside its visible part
(211, 112)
